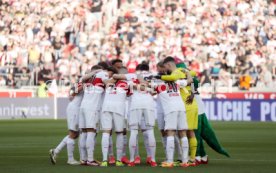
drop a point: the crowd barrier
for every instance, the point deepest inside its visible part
(263, 110)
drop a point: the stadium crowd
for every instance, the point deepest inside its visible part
(61, 39)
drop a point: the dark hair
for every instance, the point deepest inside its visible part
(115, 61)
(112, 69)
(160, 64)
(96, 67)
(144, 67)
(168, 59)
(138, 67)
(123, 70)
(103, 64)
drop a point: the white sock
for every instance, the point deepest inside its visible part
(61, 145)
(70, 148)
(82, 146)
(185, 149)
(152, 144)
(137, 148)
(146, 143)
(119, 145)
(125, 145)
(105, 145)
(132, 143)
(90, 143)
(164, 142)
(110, 146)
(178, 147)
(170, 148)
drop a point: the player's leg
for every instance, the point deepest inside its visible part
(68, 140)
(184, 147)
(90, 140)
(54, 152)
(192, 119)
(124, 158)
(178, 148)
(164, 141)
(145, 139)
(182, 126)
(134, 118)
(111, 158)
(132, 143)
(161, 126)
(192, 144)
(106, 124)
(146, 144)
(73, 126)
(137, 159)
(83, 137)
(82, 146)
(170, 127)
(91, 122)
(73, 134)
(119, 128)
(150, 122)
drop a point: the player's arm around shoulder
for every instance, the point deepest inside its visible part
(185, 82)
(119, 77)
(89, 75)
(174, 76)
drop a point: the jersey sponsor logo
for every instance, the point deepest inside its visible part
(118, 87)
(170, 87)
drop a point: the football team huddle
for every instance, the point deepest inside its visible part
(111, 100)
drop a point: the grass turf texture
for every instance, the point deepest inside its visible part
(25, 144)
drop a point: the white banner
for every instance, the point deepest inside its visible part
(18, 108)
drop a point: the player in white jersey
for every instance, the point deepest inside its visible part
(175, 119)
(89, 114)
(113, 116)
(118, 65)
(159, 109)
(141, 115)
(72, 113)
(160, 118)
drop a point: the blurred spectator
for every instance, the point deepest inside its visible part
(10, 81)
(2, 81)
(131, 64)
(21, 77)
(45, 74)
(219, 39)
(245, 81)
(117, 64)
(42, 89)
(266, 77)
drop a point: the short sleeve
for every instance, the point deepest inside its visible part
(103, 75)
(182, 83)
(131, 77)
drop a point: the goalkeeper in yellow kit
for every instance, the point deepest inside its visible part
(190, 104)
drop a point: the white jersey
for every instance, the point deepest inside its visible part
(159, 108)
(200, 104)
(140, 99)
(169, 96)
(115, 98)
(93, 91)
(76, 102)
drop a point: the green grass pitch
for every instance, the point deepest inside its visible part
(25, 144)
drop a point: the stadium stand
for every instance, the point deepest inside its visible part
(221, 40)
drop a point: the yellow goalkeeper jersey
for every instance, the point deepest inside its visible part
(185, 92)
